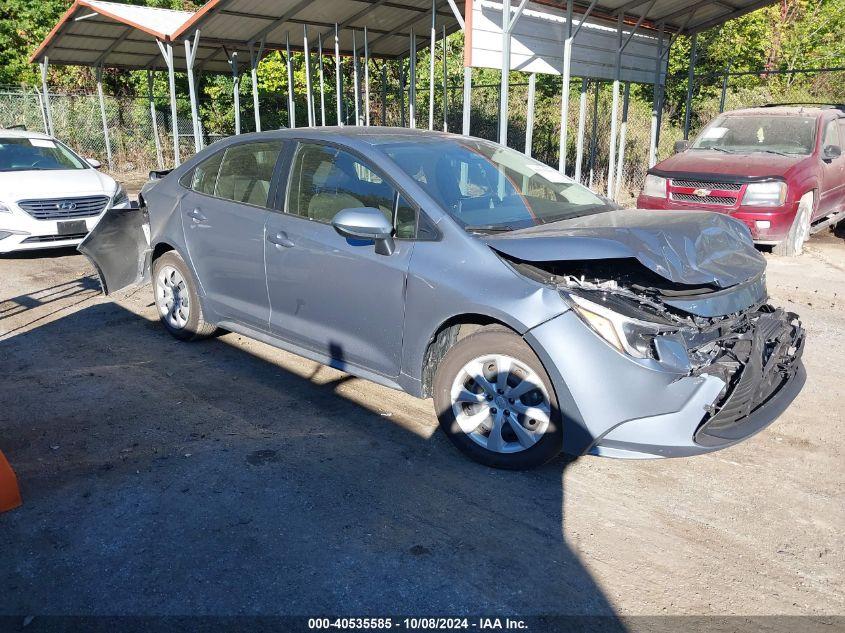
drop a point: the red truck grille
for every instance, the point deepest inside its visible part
(722, 194)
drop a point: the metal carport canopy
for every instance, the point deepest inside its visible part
(109, 34)
(678, 16)
(114, 35)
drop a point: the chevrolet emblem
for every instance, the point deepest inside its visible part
(701, 193)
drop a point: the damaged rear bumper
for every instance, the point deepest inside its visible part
(119, 248)
(616, 406)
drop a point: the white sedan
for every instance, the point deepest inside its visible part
(49, 196)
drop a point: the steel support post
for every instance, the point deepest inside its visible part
(190, 58)
(154, 120)
(564, 97)
(582, 123)
(594, 134)
(467, 106)
(322, 81)
(45, 66)
(254, 58)
(690, 84)
(366, 77)
(289, 67)
(445, 84)
(337, 72)
(529, 116)
(105, 122)
(412, 82)
(623, 133)
(167, 53)
(504, 85)
(614, 108)
(355, 87)
(725, 80)
(656, 105)
(431, 50)
(312, 121)
(236, 90)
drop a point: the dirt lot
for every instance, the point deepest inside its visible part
(226, 477)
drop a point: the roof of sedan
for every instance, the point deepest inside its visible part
(374, 135)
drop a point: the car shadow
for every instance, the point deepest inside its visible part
(223, 478)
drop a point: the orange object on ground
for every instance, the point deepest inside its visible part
(10, 494)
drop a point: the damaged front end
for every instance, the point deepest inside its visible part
(693, 330)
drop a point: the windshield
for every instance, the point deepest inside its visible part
(759, 133)
(26, 154)
(488, 188)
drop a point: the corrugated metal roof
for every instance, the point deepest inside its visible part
(94, 32)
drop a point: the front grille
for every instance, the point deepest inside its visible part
(706, 184)
(64, 208)
(691, 197)
(53, 238)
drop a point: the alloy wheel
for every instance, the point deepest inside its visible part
(172, 297)
(500, 403)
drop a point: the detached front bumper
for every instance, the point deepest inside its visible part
(616, 406)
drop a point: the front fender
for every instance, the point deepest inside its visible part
(119, 248)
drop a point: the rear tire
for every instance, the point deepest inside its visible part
(495, 402)
(799, 232)
(177, 300)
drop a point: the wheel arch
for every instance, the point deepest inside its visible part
(449, 332)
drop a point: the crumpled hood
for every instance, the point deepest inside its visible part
(54, 183)
(693, 248)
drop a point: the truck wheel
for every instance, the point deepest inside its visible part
(177, 300)
(799, 232)
(496, 403)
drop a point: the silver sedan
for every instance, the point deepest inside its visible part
(539, 316)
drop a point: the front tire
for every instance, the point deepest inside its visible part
(495, 402)
(799, 232)
(176, 299)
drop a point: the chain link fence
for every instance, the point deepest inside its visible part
(141, 136)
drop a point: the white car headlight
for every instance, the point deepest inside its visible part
(654, 186)
(765, 194)
(120, 196)
(628, 335)
(4, 208)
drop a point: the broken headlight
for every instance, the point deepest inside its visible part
(627, 334)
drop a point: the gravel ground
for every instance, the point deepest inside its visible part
(227, 477)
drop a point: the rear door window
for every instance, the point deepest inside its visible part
(246, 171)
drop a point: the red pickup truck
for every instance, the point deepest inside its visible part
(778, 169)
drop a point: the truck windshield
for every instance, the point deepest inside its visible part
(489, 188)
(742, 134)
(28, 154)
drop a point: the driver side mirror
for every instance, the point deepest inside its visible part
(94, 163)
(831, 152)
(366, 223)
(681, 146)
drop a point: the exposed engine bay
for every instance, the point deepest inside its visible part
(753, 350)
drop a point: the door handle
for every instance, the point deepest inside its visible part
(196, 215)
(280, 239)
